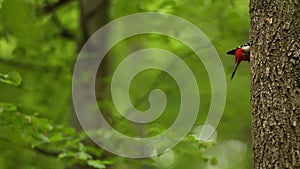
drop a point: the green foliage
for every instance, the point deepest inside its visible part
(96, 164)
(64, 140)
(165, 6)
(12, 78)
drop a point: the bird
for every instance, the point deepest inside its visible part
(241, 53)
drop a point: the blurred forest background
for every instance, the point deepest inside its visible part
(40, 40)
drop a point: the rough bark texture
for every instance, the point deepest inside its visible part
(275, 86)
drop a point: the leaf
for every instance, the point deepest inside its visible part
(11, 78)
(95, 151)
(7, 107)
(66, 155)
(43, 125)
(96, 164)
(108, 162)
(56, 138)
(73, 143)
(83, 156)
(43, 138)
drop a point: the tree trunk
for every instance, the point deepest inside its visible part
(275, 86)
(94, 15)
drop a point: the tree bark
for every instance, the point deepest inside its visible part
(275, 85)
(94, 15)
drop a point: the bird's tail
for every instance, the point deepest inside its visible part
(234, 69)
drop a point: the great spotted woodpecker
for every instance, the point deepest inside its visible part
(241, 53)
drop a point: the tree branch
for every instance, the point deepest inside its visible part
(64, 31)
(33, 67)
(46, 152)
(49, 8)
(36, 149)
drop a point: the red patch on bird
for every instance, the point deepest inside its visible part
(239, 52)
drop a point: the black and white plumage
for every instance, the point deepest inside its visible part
(241, 53)
(245, 47)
